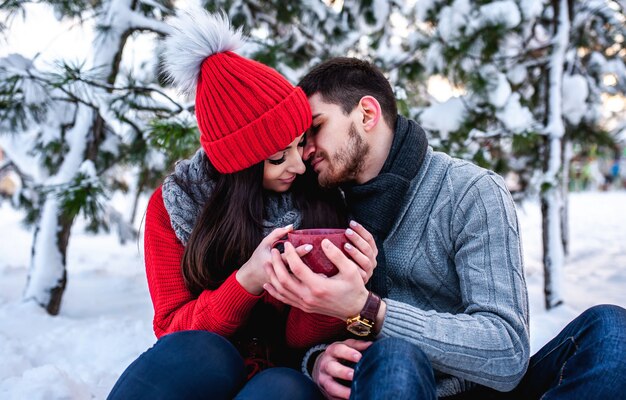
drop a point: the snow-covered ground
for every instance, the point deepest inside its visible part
(105, 319)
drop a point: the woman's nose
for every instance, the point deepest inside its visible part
(296, 165)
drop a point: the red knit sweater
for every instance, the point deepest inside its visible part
(222, 310)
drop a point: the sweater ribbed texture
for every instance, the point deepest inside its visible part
(222, 310)
(246, 111)
(455, 276)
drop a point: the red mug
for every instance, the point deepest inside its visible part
(316, 259)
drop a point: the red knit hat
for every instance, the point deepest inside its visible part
(246, 111)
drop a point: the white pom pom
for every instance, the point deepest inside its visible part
(196, 34)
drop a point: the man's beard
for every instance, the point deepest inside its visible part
(347, 162)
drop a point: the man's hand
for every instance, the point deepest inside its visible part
(342, 295)
(335, 363)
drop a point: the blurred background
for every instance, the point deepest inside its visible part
(532, 89)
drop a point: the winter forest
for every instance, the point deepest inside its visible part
(532, 89)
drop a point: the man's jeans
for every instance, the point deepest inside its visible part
(587, 360)
(203, 365)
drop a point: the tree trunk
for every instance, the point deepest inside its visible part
(553, 256)
(552, 191)
(47, 276)
(141, 183)
(567, 161)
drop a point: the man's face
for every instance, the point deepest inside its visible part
(334, 145)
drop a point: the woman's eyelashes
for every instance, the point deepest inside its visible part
(282, 159)
(278, 161)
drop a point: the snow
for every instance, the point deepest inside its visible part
(575, 92)
(555, 130)
(498, 87)
(504, 13)
(106, 317)
(452, 20)
(422, 7)
(531, 8)
(514, 116)
(444, 117)
(434, 58)
(517, 74)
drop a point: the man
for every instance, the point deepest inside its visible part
(453, 319)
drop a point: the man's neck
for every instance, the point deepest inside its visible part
(380, 144)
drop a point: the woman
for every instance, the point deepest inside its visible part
(217, 216)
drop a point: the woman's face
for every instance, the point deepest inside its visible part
(281, 168)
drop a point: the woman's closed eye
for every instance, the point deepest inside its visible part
(278, 161)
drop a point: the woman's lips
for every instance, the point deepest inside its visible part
(288, 180)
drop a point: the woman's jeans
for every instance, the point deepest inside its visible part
(204, 365)
(587, 360)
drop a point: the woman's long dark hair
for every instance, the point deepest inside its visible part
(230, 226)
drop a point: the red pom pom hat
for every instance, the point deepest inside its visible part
(246, 111)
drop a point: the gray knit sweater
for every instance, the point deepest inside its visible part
(455, 276)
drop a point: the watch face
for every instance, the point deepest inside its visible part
(359, 329)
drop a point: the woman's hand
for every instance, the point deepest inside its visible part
(252, 275)
(364, 242)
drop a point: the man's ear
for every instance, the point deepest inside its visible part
(370, 111)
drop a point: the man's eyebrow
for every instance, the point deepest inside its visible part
(315, 116)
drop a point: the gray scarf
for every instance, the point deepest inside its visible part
(187, 189)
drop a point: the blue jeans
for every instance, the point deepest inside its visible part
(393, 369)
(586, 360)
(204, 365)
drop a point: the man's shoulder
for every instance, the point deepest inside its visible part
(459, 172)
(461, 168)
(462, 175)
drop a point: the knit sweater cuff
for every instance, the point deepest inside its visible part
(233, 300)
(402, 320)
(308, 361)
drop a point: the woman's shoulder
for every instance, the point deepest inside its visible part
(156, 207)
(156, 199)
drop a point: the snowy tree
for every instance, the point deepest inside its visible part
(72, 130)
(533, 75)
(295, 36)
(67, 128)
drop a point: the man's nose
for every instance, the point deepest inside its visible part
(309, 149)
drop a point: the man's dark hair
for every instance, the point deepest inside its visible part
(344, 81)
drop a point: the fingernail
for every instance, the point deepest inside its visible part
(353, 224)
(289, 226)
(349, 232)
(349, 246)
(326, 243)
(356, 356)
(350, 375)
(308, 247)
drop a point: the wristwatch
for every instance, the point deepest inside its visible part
(362, 324)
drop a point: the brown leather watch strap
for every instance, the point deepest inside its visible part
(371, 307)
